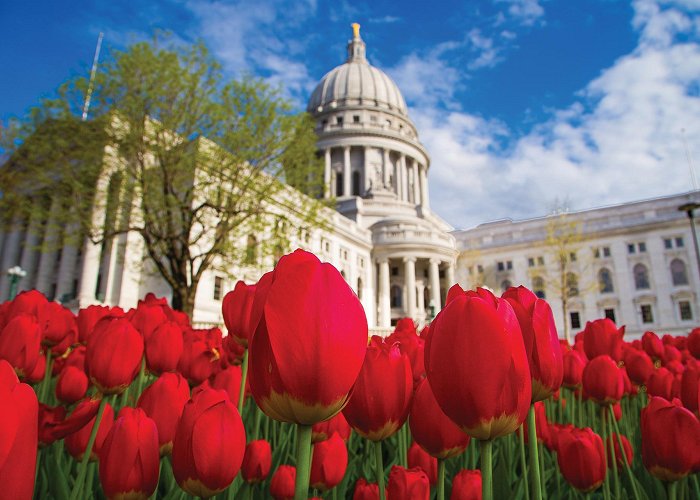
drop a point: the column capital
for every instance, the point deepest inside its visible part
(346, 148)
(435, 261)
(410, 259)
(382, 260)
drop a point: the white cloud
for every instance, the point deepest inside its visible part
(526, 12)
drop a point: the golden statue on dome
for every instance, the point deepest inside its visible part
(355, 30)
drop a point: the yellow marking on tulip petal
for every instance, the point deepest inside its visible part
(493, 428)
(286, 408)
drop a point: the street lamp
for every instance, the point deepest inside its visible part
(15, 273)
(688, 208)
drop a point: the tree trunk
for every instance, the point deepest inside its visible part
(183, 300)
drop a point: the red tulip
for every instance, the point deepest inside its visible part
(164, 347)
(72, 385)
(324, 430)
(236, 308)
(574, 363)
(147, 318)
(49, 417)
(541, 341)
(477, 365)
(20, 343)
(113, 356)
(381, 397)
(407, 483)
(163, 401)
(88, 318)
(76, 443)
(19, 415)
(626, 445)
(365, 490)
(418, 458)
(411, 345)
(209, 444)
(431, 428)
(639, 366)
(257, 461)
(466, 485)
(39, 371)
(229, 380)
(129, 460)
(56, 323)
(693, 343)
(581, 458)
(27, 302)
(329, 462)
(671, 354)
(282, 482)
(57, 427)
(690, 388)
(670, 440)
(660, 384)
(652, 345)
(603, 381)
(310, 340)
(603, 337)
(200, 354)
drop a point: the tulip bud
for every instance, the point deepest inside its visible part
(236, 309)
(431, 428)
(26, 302)
(690, 388)
(164, 347)
(660, 384)
(639, 366)
(466, 485)
(56, 323)
(407, 483)
(305, 355)
(574, 363)
(209, 444)
(603, 337)
(76, 443)
(257, 461)
(129, 460)
(88, 318)
(282, 483)
(581, 458)
(19, 415)
(418, 458)
(146, 319)
(670, 440)
(619, 459)
(603, 380)
(324, 430)
(49, 416)
(386, 377)
(329, 462)
(653, 346)
(200, 354)
(163, 401)
(113, 356)
(229, 380)
(365, 490)
(72, 385)
(693, 343)
(20, 343)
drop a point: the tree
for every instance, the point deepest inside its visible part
(173, 152)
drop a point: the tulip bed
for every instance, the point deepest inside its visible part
(295, 402)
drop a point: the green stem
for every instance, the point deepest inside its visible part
(46, 383)
(613, 465)
(379, 464)
(142, 377)
(606, 482)
(534, 456)
(486, 470)
(696, 486)
(301, 487)
(441, 479)
(523, 463)
(633, 481)
(244, 376)
(672, 490)
(256, 425)
(82, 468)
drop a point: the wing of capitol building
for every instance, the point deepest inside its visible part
(635, 263)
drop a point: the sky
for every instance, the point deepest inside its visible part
(523, 105)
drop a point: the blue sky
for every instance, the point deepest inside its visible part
(519, 102)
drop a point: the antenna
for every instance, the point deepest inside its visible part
(690, 161)
(86, 106)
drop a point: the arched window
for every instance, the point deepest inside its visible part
(251, 250)
(339, 184)
(505, 285)
(538, 287)
(396, 299)
(605, 282)
(356, 183)
(641, 277)
(359, 288)
(679, 275)
(572, 284)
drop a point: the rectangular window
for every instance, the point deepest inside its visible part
(394, 271)
(631, 248)
(339, 120)
(642, 247)
(509, 265)
(530, 262)
(575, 319)
(606, 251)
(685, 310)
(480, 268)
(470, 270)
(572, 256)
(679, 242)
(668, 243)
(218, 287)
(500, 266)
(540, 261)
(647, 314)
(356, 118)
(610, 314)
(596, 253)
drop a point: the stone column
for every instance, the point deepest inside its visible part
(30, 254)
(10, 255)
(434, 276)
(66, 271)
(399, 177)
(327, 174)
(384, 299)
(450, 274)
(47, 262)
(421, 299)
(410, 273)
(424, 187)
(367, 175)
(404, 179)
(347, 189)
(387, 168)
(416, 182)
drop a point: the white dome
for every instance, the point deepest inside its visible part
(356, 83)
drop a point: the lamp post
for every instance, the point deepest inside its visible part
(689, 208)
(15, 273)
